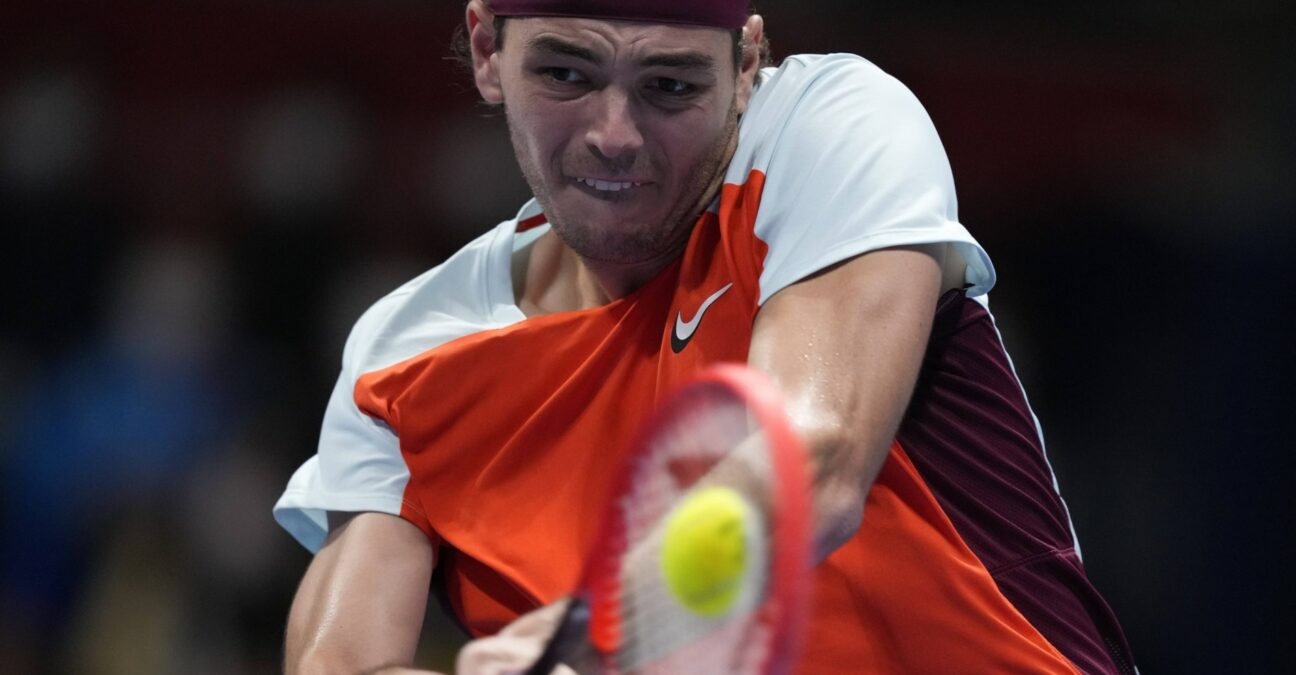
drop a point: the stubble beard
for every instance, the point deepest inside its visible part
(642, 243)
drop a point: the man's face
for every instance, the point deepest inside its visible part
(622, 129)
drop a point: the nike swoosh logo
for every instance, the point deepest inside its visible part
(684, 330)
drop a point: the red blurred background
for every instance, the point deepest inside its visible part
(199, 197)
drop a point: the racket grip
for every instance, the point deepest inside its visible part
(569, 642)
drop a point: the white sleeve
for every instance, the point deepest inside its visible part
(358, 465)
(853, 164)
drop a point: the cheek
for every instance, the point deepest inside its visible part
(558, 129)
(536, 135)
(688, 145)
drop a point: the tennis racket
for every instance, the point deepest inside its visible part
(701, 563)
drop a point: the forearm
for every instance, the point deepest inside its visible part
(848, 375)
(360, 606)
(342, 664)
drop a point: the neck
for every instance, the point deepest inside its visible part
(613, 282)
(549, 277)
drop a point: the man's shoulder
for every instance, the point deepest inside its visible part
(801, 74)
(466, 293)
(817, 102)
(811, 63)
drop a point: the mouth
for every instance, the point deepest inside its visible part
(608, 186)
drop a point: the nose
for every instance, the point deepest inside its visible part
(613, 131)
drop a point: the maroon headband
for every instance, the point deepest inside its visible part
(715, 13)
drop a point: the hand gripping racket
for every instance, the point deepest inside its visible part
(701, 564)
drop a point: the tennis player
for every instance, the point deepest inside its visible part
(693, 205)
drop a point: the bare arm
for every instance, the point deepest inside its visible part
(360, 606)
(845, 346)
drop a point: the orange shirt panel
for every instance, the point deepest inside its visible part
(511, 435)
(906, 595)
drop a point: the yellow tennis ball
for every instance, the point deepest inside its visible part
(704, 549)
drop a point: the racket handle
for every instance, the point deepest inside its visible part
(569, 643)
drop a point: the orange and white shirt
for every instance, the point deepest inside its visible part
(497, 434)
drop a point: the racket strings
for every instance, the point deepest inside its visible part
(659, 634)
(732, 648)
(659, 630)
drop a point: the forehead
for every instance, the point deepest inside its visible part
(615, 39)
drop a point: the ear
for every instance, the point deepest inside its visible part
(752, 35)
(481, 38)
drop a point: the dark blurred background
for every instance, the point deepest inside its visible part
(198, 197)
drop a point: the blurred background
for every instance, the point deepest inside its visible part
(198, 198)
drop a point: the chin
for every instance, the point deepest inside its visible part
(621, 242)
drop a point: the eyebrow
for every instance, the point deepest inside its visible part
(688, 60)
(684, 60)
(554, 45)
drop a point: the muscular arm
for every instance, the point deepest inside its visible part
(845, 346)
(361, 604)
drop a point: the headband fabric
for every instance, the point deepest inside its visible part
(730, 14)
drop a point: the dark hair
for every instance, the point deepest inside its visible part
(461, 48)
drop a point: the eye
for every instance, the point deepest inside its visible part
(563, 75)
(673, 87)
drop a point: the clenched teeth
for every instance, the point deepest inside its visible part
(608, 186)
